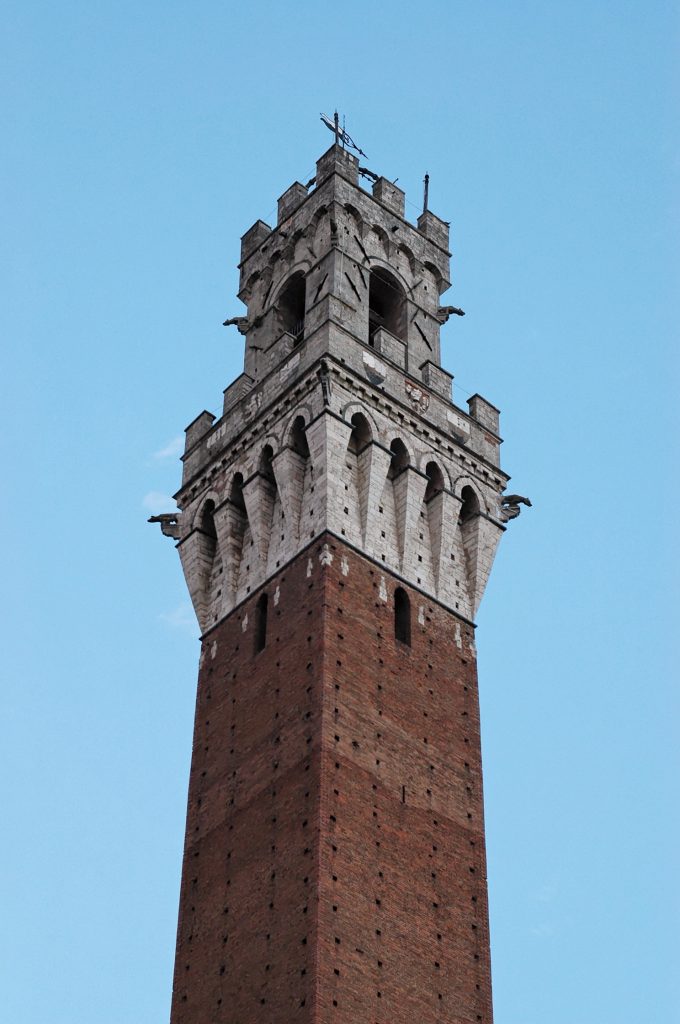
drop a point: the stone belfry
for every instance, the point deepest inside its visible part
(337, 528)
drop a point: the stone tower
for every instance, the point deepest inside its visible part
(337, 529)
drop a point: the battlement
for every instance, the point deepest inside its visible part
(339, 161)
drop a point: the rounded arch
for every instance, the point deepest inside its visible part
(466, 481)
(235, 492)
(425, 458)
(402, 616)
(260, 631)
(264, 465)
(297, 437)
(290, 302)
(272, 440)
(300, 267)
(400, 458)
(470, 504)
(301, 412)
(435, 480)
(361, 434)
(347, 411)
(211, 497)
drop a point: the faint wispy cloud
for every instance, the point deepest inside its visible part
(156, 502)
(172, 449)
(182, 617)
(543, 931)
(545, 893)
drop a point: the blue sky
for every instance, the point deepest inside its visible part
(141, 141)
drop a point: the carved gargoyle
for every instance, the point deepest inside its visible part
(242, 324)
(510, 506)
(169, 524)
(444, 312)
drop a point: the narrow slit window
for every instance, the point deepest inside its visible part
(402, 616)
(261, 623)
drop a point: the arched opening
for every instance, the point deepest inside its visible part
(266, 468)
(361, 433)
(399, 460)
(291, 306)
(236, 493)
(261, 623)
(298, 438)
(207, 528)
(386, 305)
(435, 481)
(470, 506)
(402, 616)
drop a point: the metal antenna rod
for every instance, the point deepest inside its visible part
(426, 192)
(336, 120)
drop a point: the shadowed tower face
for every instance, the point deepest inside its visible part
(337, 529)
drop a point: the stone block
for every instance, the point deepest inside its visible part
(438, 380)
(390, 347)
(387, 193)
(485, 413)
(337, 160)
(197, 429)
(253, 238)
(290, 200)
(434, 228)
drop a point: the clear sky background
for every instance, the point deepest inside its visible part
(140, 141)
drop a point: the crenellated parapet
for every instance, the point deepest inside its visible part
(344, 256)
(343, 420)
(351, 462)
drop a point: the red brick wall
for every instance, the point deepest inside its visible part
(334, 865)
